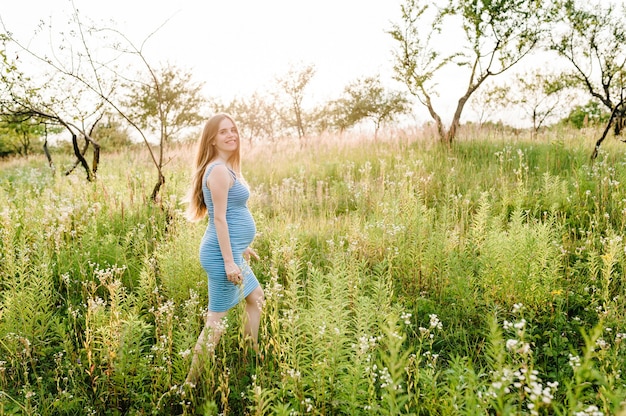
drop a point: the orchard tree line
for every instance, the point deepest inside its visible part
(486, 38)
(99, 89)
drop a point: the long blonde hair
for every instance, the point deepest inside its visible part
(205, 153)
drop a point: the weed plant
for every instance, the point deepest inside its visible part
(401, 277)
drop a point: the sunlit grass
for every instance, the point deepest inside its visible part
(401, 277)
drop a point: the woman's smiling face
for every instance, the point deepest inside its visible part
(227, 138)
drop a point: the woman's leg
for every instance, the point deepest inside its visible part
(207, 341)
(254, 307)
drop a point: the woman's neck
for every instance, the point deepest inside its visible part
(221, 159)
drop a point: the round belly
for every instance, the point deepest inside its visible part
(241, 228)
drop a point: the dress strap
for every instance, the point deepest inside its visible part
(212, 165)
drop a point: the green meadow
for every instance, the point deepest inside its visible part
(401, 277)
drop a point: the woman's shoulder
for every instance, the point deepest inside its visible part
(213, 164)
(217, 166)
(220, 167)
(221, 172)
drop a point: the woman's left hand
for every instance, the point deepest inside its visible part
(249, 252)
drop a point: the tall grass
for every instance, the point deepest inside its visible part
(400, 278)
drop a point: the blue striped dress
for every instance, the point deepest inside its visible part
(223, 294)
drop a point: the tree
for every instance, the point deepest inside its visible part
(166, 103)
(592, 37)
(543, 96)
(52, 98)
(111, 133)
(488, 101)
(92, 76)
(592, 113)
(293, 84)
(161, 106)
(21, 132)
(496, 35)
(256, 116)
(367, 98)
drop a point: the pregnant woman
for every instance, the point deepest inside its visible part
(219, 190)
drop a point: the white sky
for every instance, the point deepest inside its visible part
(239, 46)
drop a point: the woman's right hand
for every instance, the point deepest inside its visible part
(233, 273)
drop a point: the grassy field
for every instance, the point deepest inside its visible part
(401, 278)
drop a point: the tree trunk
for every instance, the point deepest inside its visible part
(96, 158)
(594, 154)
(80, 157)
(450, 134)
(157, 187)
(96, 147)
(78, 161)
(46, 151)
(456, 120)
(441, 131)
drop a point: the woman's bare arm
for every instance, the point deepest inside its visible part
(219, 182)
